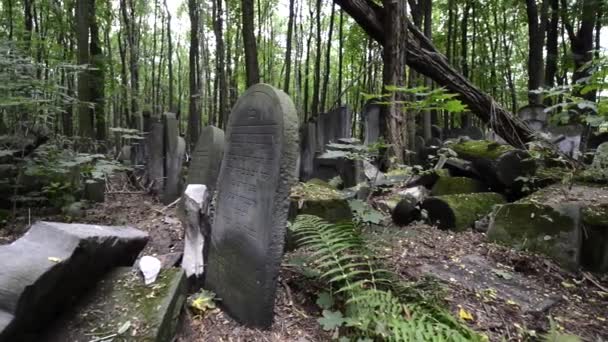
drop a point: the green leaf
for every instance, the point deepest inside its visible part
(325, 300)
(331, 320)
(455, 106)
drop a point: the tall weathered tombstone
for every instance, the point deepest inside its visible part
(175, 148)
(207, 158)
(248, 233)
(371, 115)
(308, 150)
(156, 158)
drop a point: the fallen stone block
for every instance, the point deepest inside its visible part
(52, 264)
(318, 198)
(120, 302)
(459, 212)
(457, 185)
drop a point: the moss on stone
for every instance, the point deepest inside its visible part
(540, 228)
(153, 310)
(318, 198)
(596, 216)
(468, 208)
(457, 185)
(399, 172)
(480, 149)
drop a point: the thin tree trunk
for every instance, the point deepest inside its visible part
(249, 42)
(290, 25)
(194, 119)
(97, 76)
(317, 80)
(85, 115)
(327, 59)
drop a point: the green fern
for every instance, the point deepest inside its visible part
(373, 308)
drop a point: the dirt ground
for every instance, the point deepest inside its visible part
(580, 306)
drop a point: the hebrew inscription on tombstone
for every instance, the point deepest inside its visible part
(257, 172)
(207, 157)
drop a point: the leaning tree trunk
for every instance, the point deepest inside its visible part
(423, 57)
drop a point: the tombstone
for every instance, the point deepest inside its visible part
(333, 125)
(333, 164)
(248, 232)
(44, 271)
(600, 159)
(207, 157)
(94, 190)
(170, 141)
(437, 132)
(308, 150)
(371, 117)
(156, 160)
(534, 116)
(568, 138)
(475, 133)
(419, 149)
(174, 161)
(147, 121)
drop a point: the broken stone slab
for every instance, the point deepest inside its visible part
(332, 164)
(197, 227)
(475, 273)
(459, 212)
(174, 160)
(52, 264)
(550, 230)
(150, 313)
(594, 254)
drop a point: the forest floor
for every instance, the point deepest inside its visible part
(575, 302)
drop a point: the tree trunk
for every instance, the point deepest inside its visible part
(290, 24)
(423, 57)
(395, 51)
(317, 80)
(325, 90)
(251, 51)
(220, 62)
(552, 45)
(97, 75)
(536, 39)
(169, 58)
(83, 25)
(194, 115)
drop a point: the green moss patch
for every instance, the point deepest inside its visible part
(318, 198)
(480, 149)
(457, 185)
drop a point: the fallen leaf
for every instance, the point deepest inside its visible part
(465, 315)
(124, 328)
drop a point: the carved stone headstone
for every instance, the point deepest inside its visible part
(248, 233)
(308, 150)
(207, 157)
(371, 115)
(196, 225)
(156, 157)
(568, 138)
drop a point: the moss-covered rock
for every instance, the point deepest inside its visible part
(318, 198)
(594, 253)
(550, 230)
(499, 165)
(459, 212)
(457, 185)
(152, 312)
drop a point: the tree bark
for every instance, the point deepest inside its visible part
(552, 45)
(194, 117)
(325, 90)
(536, 41)
(85, 114)
(220, 62)
(423, 57)
(317, 80)
(290, 24)
(251, 51)
(97, 75)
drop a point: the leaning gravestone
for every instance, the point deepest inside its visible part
(175, 148)
(207, 158)
(174, 161)
(155, 163)
(51, 265)
(371, 115)
(308, 150)
(248, 233)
